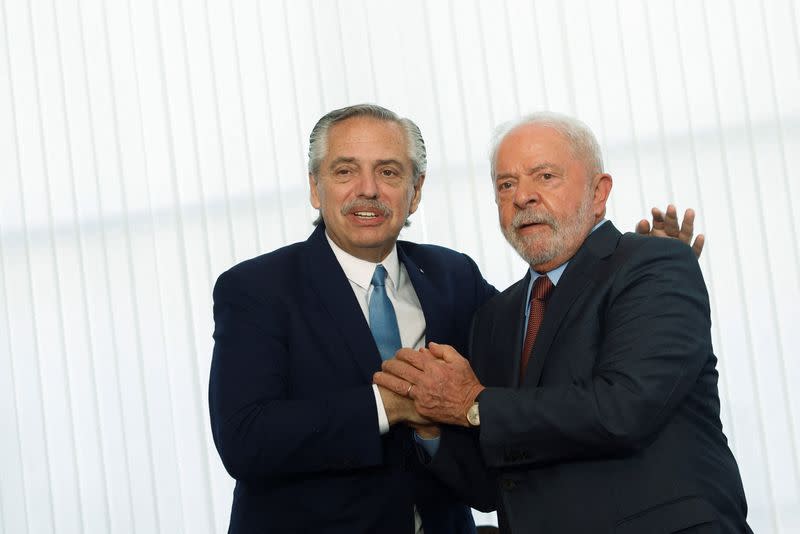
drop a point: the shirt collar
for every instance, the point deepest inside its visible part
(360, 271)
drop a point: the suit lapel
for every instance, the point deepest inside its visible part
(575, 280)
(507, 334)
(328, 281)
(429, 298)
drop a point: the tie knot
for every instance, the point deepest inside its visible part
(379, 276)
(542, 288)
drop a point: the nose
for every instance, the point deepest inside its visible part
(525, 194)
(367, 186)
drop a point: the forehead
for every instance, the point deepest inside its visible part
(532, 143)
(367, 138)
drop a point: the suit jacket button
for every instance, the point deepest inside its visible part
(509, 485)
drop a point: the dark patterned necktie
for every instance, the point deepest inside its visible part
(542, 288)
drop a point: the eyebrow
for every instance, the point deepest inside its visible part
(532, 170)
(389, 162)
(543, 166)
(344, 159)
(341, 159)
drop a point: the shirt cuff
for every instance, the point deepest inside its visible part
(383, 420)
(430, 445)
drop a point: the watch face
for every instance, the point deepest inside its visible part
(473, 415)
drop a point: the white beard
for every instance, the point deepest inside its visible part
(536, 250)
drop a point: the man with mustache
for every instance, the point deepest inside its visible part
(299, 332)
(589, 402)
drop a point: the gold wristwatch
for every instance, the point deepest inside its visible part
(474, 415)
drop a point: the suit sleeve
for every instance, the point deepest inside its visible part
(655, 343)
(259, 429)
(481, 289)
(459, 462)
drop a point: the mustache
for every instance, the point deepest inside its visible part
(366, 204)
(530, 216)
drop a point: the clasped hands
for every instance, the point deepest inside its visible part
(428, 386)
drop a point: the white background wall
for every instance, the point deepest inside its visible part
(146, 146)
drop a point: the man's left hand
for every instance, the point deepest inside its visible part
(440, 381)
(666, 225)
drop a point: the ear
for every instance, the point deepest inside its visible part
(314, 193)
(602, 189)
(417, 195)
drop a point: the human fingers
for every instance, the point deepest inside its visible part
(391, 382)
(671, 222)
(698, 244)
(402, 370)
(658, 220)
(687, 227)
(417, 359)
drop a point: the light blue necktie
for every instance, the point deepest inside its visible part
(382, 319)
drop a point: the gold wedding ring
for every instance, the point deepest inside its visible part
(408, 391)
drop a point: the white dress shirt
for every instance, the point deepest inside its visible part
(410, 319)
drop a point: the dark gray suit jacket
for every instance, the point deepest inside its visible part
(616, 425)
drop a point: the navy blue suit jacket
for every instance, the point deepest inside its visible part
(293, 413)
(615, 427)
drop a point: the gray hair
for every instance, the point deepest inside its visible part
(318, 140)
(583, 142)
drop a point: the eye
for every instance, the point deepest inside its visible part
(547, 176)
(388, 173)
(504, 186)
(343, 171)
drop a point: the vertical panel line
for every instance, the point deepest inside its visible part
(514, 90)
(12, 378)
(570, 80)
(220, 137)
(662, 138)
(795, 37)
(446, 171)
(184, 266)
(788, 207)
(700, 198)
(599, 98)
(273, 142)
(740, 275)
(59, 304)
(245, 132)
(763, 241)
(293, 80)
(792, 230)
(83, 283)
(27, 260)
(198, 168)
(539, 55)
(109, 69)
(629, 107)
(370, 59)
(465, 135)
(315, 45)
(512, 55)
(12, 375)
(139, 348)
(343, 56)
